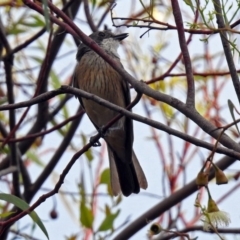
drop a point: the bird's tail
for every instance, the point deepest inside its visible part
(125, 177)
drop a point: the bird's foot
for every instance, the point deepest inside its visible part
(94, 142)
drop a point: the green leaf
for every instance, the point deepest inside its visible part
(89, 155)
(5, 150)
(93, 4)
(86, 217)
(15, 30)
(46, 14)
(34, 157)
(3, 100)
(118, 200)
(33, 21)
(107, 223)
(38, 20)
(190, 4)
(6, 214)
(55, 80)
(65, 113)
(231, 109)
(105, 176)
(61, 131)
(84, 139)
(37, 59)
(18, 202)
(72, 237)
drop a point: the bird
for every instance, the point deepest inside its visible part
(94, 75)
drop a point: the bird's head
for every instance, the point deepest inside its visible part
(106, 39)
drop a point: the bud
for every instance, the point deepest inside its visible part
(212, 206)
(53, 214)
(213, 217)
(154, 229)
(202, 179)
(220, 176)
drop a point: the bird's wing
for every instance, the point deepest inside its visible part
(82, 49)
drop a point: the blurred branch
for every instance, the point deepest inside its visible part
(167, 26)
(14, 160)
(23, 235)
(25, 44)
(40, 121)
(48, 169)
(25, 175)
(33, 189)
(141, 87)
(199, 228)
(43, 133)
(34, 37)
(190, 102)
(110, 4)
(167, 73)
(56, 157)
(89, 17)
(42, 83)
(201, 74)
(155, 124)
(175, 112)
(226, 48)
(6, 171)
(168, 203)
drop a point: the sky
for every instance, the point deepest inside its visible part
(133, 206)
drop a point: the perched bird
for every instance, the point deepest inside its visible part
(94, 75)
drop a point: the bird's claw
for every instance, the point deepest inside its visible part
(94, 142)
(97, 143)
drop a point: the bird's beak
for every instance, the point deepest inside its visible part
(120, 37)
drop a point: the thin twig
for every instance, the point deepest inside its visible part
(88, 16)
(155, 124)
(226, 48)
(68, 167)
(190, 102)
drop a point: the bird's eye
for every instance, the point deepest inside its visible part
(101, 34)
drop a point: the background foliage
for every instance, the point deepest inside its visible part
(186, 53)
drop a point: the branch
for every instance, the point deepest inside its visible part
(14, 160)
(226, 48)
(25, 44)
(25, 175)
(201, 74)
(67, 89)
(89, 17)
(168, 203)
(199, 228)
(55, 158)
(43, 77)
(187, 60)
(204, 31)
(66, 169)
(43, 133)
(110, 4)
(167, 73)
(139, 86)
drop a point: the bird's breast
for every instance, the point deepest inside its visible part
(97, 77)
